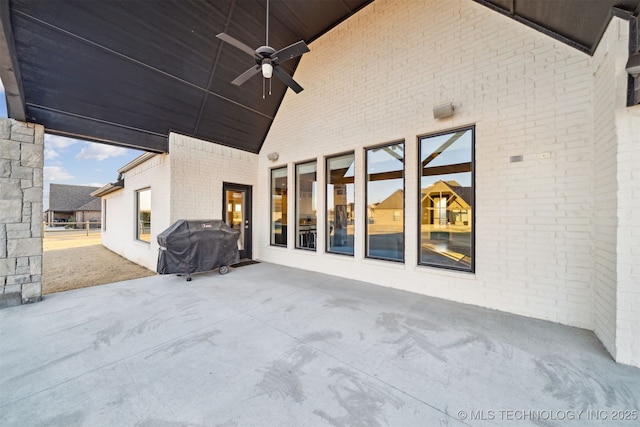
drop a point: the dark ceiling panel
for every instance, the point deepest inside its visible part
(579, 23)
(308, 21)
(232, 125)
(80, 127)
(119, 67)
(134, 96)
(573, 20)
(175, 37)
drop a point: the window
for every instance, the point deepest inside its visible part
(340, 203)
(104, 215)
(446, 199)
(279, 205)
(143, 215)
(385, 202)
(306, 211)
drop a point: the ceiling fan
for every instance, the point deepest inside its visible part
(267, 59)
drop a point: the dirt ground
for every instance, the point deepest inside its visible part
(80, 261)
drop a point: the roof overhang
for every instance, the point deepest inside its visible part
(128, 73)
(108, 188)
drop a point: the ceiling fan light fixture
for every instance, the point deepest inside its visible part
(267, 69)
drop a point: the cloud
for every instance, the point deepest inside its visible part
(50, 154)
(53, 144)
(56, 173)
(99, 152)
(94, 184)
(58, 142)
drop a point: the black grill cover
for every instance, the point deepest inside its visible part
(191, 246)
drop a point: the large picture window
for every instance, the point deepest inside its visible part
(385, 202)
(306, 210)
(143, 214)
(279, 203)
(446, 199)
(340, 203)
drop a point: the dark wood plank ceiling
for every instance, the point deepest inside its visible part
(579, 23)
(128, 72)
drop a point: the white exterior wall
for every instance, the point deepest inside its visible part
(375, 79)
(120, 236)
(198, 170)
(609, 94)
(185, 184)
(628, 242)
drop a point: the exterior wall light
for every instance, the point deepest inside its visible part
(443, 111)
(273, 156)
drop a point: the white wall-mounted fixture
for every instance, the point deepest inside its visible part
(443, 111)
(633, 64)
(273, 156)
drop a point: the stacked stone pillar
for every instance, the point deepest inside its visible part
(21, 211)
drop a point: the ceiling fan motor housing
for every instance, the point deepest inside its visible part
(264, 52)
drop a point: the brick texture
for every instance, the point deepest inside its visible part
(375, 79)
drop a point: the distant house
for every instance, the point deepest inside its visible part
(72, 203)
(387, 216)
(446, 203)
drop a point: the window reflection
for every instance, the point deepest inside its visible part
(446, 196)
(279, 203)
(143, 208)
(306, 211)
(340, 204)
(385, 202)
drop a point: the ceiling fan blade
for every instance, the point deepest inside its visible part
(290, 52)
(286, 79)
(236, 43)
(246, 75)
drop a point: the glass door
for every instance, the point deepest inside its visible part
(237, 214)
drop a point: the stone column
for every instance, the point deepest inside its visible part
(21, 164)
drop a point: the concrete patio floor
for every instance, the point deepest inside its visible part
(267, 345)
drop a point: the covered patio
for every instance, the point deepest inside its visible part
(269, 345)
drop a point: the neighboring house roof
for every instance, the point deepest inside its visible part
(69, 198)
(93, 205)
(394, 201)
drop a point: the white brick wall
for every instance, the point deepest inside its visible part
(628, 242)
(557, 236)
(185, 184)
(375, 79)
(120, 235)
(609, 93)
(198, 170)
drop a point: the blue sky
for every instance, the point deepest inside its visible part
(77, 162)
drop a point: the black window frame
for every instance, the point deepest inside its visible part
(472, 268)
(104, 214)
(366, 202)
(137, 215)
(286, 235)
(295, 209)
(326, 203)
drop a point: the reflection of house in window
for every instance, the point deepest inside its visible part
(388, 212)
(446, 203)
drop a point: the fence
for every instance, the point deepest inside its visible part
(51, 229)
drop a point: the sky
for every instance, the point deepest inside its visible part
(78, 162)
